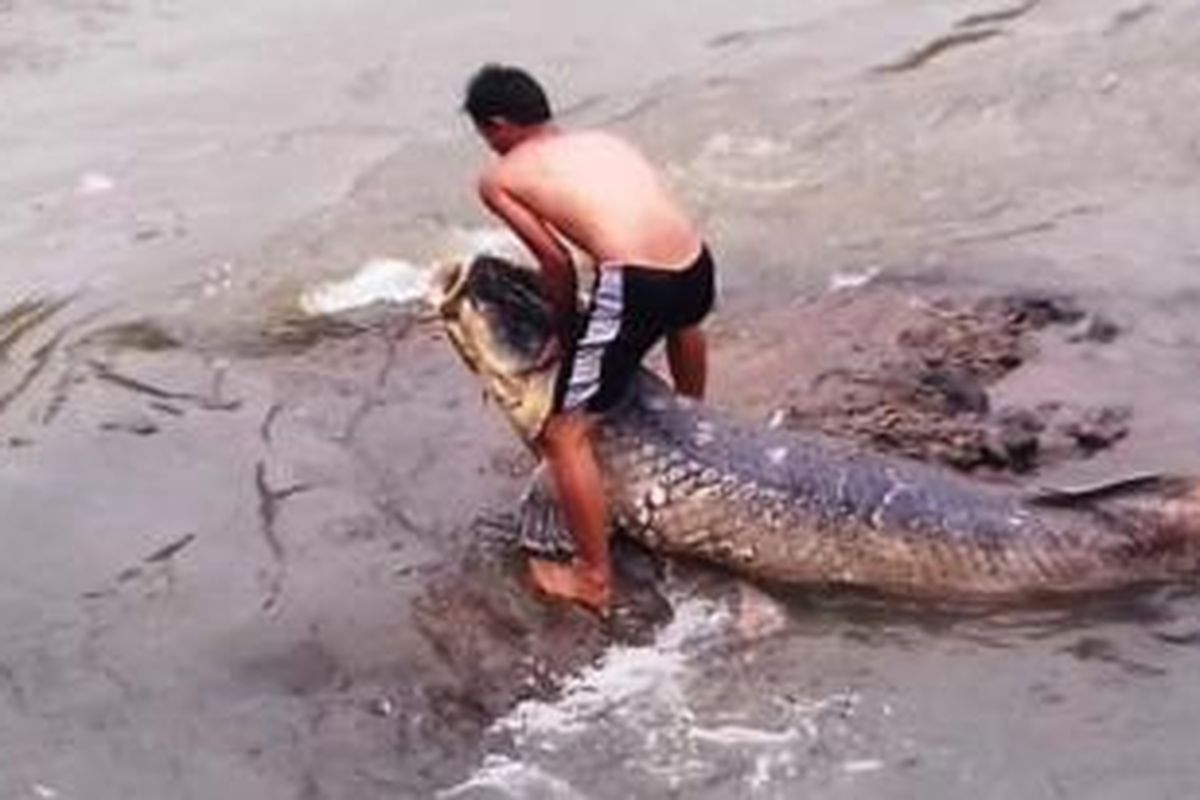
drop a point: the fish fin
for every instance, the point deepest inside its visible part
(1157, 483)
(541, 529)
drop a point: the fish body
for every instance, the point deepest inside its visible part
(801, 508)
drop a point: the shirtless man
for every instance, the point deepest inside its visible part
(654, 279)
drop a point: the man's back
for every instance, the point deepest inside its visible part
(600, 193)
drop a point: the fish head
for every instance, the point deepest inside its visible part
(502, 325)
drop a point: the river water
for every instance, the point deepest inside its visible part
(217, 513)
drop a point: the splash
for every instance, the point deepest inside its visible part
(379, 280)
(638, 691)
(398, 280)
(845, 280)
(509, 778)
(647, 719)
(633, 683)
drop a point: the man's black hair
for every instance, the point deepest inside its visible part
(508, 93)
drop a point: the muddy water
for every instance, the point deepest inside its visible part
(222, 521)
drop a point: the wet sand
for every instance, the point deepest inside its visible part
(232, 535)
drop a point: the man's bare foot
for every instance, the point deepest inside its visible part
(572, 582)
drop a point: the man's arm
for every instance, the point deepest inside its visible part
(558, 271)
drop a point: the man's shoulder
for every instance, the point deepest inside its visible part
(499, 174)
(523, 164)
(513, 174)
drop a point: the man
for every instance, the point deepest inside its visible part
(654, 279)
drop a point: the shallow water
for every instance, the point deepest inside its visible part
(217, 513)
(851, 699)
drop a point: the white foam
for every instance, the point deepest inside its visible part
(841, 281)
(515, 779)
(637, 709)
(733, 735)
(380, 279)
(396, 280)
(643, 687)
(626, 681)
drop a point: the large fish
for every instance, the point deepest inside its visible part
(802, 508)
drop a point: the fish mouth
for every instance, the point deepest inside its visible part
(446, 286)
(522, 388)
(445, 299)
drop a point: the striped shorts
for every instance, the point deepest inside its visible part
(632, 307)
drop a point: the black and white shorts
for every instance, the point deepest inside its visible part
(632, 307)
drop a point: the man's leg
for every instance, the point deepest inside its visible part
(687, 355)
(567, 447)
